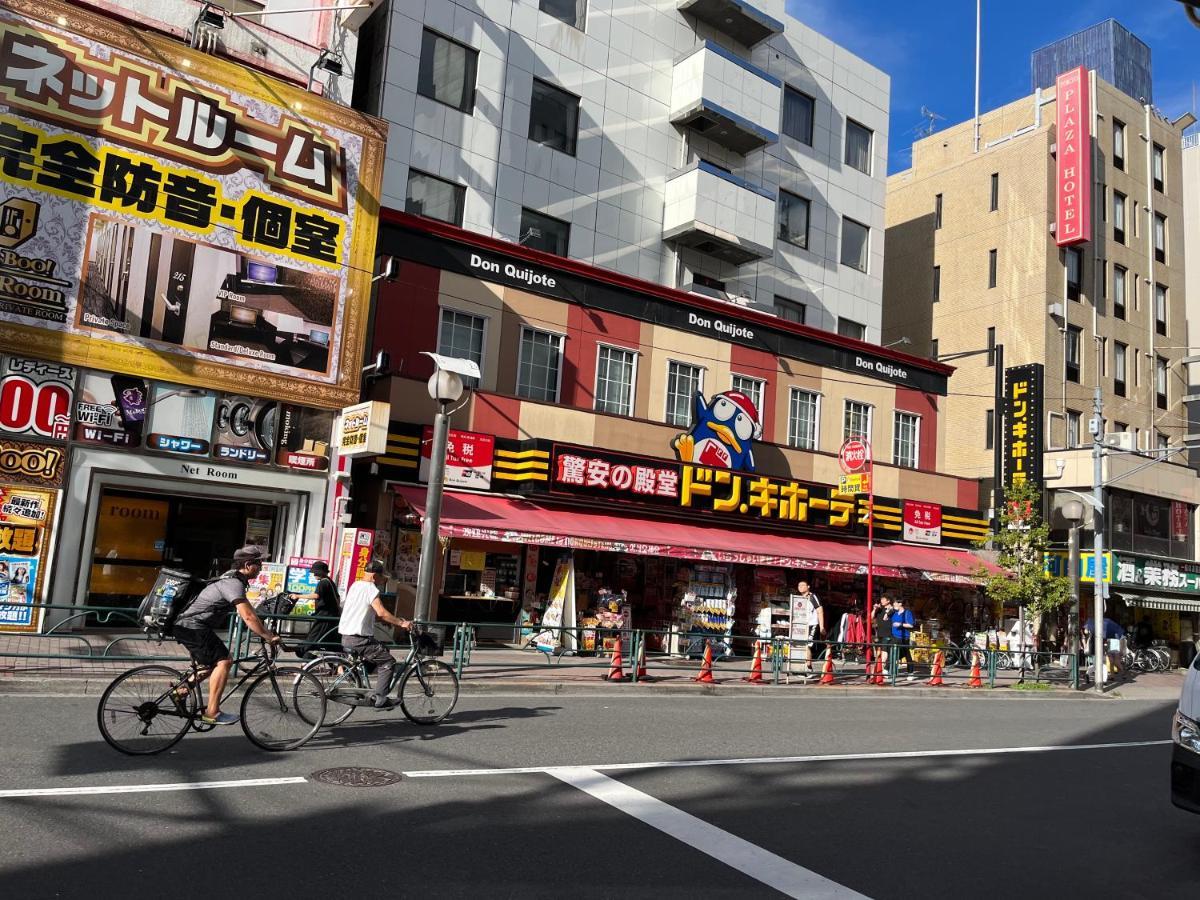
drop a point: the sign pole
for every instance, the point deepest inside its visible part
(870, 531)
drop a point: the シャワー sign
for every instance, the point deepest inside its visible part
(1023, 441)
(1073, 182)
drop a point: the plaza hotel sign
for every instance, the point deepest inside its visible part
(1073, 165)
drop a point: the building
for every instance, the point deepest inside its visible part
(973, 262)
(1190, 174)
(718, 147)
(1114, 53)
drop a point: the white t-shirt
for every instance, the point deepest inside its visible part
(357, 615)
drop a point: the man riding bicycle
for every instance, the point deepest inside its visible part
(360, 609)
(196, 628)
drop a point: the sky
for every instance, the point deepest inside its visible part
(928, 48)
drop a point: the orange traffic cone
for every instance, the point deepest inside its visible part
(827, 671)
(976, 679)
(616, 671)
(706, 676)
(641, 662)
(937, 670)
(756, 673)
(878, 679)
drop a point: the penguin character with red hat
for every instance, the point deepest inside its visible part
(722, 434)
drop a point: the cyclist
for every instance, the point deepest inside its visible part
(196, 628)
(360, 608)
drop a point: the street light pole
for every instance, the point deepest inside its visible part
(433, 512)
(1097, 429)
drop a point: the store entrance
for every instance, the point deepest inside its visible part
(138, 532)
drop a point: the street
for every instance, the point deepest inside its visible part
(947, 818)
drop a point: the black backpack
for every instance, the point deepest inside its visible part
(173, 590)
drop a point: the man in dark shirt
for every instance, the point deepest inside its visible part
(196, 627)
(881, 630)
(327, 604)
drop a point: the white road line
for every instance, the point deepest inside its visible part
(148, 788)
(766, 760)
(750, 859)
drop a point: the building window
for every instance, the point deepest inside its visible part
(793, 219)
(698, 278)
(798, 115)
(1074, 344)
(434, 198)
(855, 241)
(1118, 286)
(461, 334)
(553, 117)
(1118, 217)
(570, 11)
(851, 329)
(789, 310)
(989, 429)
(995, 203)
(539, 367)
(447, 71)
(1102, 193)
(1074, 266)
(1073, 418)
(1137, 367)
(991, 347)
(1162, 440)
(1120, 367)
(906, 436)
(992, 268)
(1160, 382)
(616, 374)
(937, 212)
(1102, 278)
(1103, 357)
(752, 388)
(1159, 168)
(937, 283)
(1160, 238)
(856, 420)
(1120, 427)
(542, 232)
(1160, 309)
(803, 411)
(933, 348)
(858, 146)
(1118, 154)
(684, 381)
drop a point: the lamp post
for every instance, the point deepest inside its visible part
(1072, 511)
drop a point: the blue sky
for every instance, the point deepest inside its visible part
(928, 47)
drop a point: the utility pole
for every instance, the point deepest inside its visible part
(1096, 426)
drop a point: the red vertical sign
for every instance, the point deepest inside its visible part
(1073, 211)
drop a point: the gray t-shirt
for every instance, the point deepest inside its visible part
(213, 605)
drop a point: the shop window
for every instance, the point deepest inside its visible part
(1074, 340)
(616, 376)
(855, 244)
(570, 11)
(1119, 285)
(434, 198)
(553, 117)
(1151, 525)
(752, 388)
(461, 335)
(480, 586)
(906, 439)
(858, 146)
(545, 233)
(851, 329)
(798, 115)
(803, 419)
(793, 219)
(856, 420)
(539, 368)
(447, 71)
(684, 381)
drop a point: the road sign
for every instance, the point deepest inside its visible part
(855, 455)
(855, 483)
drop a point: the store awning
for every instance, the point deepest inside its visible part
(513, 520)
(1172, 604)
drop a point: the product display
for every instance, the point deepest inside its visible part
(706, 610)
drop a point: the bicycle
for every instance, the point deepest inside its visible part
(428, 687)
(150, 708)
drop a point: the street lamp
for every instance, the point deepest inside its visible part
(1072, 511)
(446, 387)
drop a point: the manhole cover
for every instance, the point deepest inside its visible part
(356, 776)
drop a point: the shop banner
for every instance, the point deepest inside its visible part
(1073, 159)
(168, 216)
(1157, 574)
(560, 609)
(244, 430)
(303, 438)
(111, 409)
(1023, 439)
(1059, 563)
(922, 522)
(36, 396)
(469, 458)
(26, 525)
(24, 462)
(1181, 521)
(270, 581)
(299, 579)
(357, 547)
(181, 419)
(364, 429)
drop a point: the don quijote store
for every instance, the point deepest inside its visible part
(635, 455)
(185, 257)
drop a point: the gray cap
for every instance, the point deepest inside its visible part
(249, 553)
(375, 566)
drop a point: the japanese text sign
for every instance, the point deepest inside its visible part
(35, 397)
(26, 522)
(922, 522)
(1023, 425)
(1073, 166)
(469, 458)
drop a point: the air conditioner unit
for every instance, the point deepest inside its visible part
(1056, 310)
(1121, 440)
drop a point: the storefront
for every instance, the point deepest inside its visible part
(1159, 602)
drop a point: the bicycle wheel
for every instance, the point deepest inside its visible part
(1162, 659)
(137, 715)
(428, 692)
(344, 684)
(283, 708)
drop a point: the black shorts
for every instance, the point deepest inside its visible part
(203, 644)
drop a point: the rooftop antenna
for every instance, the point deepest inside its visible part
(925, 129)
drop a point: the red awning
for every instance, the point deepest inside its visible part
(512, 520)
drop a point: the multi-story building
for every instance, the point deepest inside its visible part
(1190, 177)
(719, 147)
(973, 262)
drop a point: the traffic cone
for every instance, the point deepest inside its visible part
(878, 679)
(937, 670)
(616, 671)
(641, 662)
(706, 676)
(976, 679)
(827, 671)
(756, 673)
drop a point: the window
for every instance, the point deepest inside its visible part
(616, 373)
(447, 72)
(553, 117)
(570, 11)
(542, 232)
(856, 420)
(540, 365)
(1159, 165)
(1137, 367)
(1160, 237)
(1118, 217)
(708, 281)
(1120, 427)
(851, 329)
(752, 388)
(1118, 285)
(855, 237)
(1103, 357)
(460, 334)
(684, 381)
(937, 212)
(1162, 440)
(434, 198)
(937, 283)
(995, 204)
(1160, 309)
(991, 347)
(789, 310)
(793, 219)
(1074, 342)
(1118, 152)
(1160, 382)
(1074, 265)
(1103, 194)
(989, 429)
(1073, 419)
(1120, 367)
(858, 146)
(992, 268)
(933, 348)
(1102, 278)
(803, 411)
(798, 115)
(906, 436)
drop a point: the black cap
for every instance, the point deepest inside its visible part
(249, 553)
(320, 566)
(375, 566)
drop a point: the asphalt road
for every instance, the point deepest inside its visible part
(1079, 822)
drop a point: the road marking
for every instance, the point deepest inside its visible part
(148, 788)
(733, 851)
(774, 760)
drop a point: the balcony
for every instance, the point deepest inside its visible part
(719, 95)
(719, 214)
(736, 18)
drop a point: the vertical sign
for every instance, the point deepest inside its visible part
(1023, 425)
(1073, 212)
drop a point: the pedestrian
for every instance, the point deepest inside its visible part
(881, 631)
(327, 606)
(902, 626)
(806, 600)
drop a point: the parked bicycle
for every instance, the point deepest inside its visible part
(150, 708)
